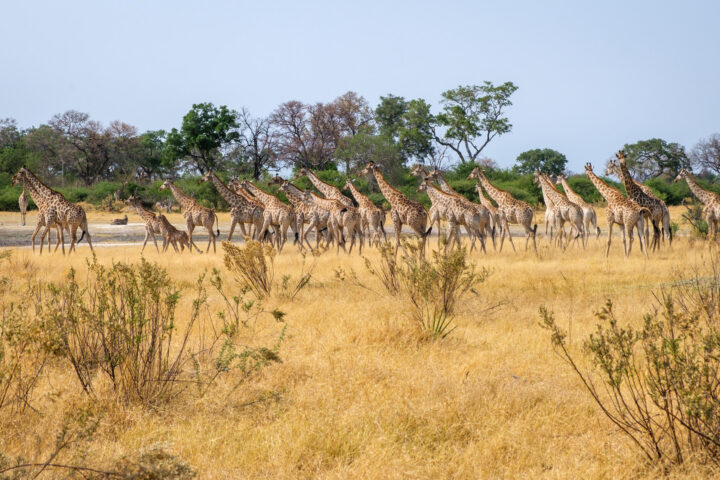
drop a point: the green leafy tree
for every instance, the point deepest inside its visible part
(416, 133)
(356, 151)
(655, 157)
(472, 116)
(389, 115)
(205, 131)
(544, 160)
(150, 163)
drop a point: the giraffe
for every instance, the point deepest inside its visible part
(329, 191)
(276, 214)
(372, 215)
(241, 210)
(71, 216)
(550, 220)
(341, 216)
(658, 209)
(487, 215)
(456, 213)
(563, 210)
(47, 214)
(710, 200)
(118, 193)
(621, 210)
(153, 225)
(195, 214)
(305, 210)
(23, 202)
(403, 210)
(173, 236)
(589, 215)
(512, 210)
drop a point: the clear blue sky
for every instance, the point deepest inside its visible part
(591, 75)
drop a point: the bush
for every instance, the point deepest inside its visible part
(659, 384)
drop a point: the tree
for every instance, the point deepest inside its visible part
(257, 144)
(655, 157)
(205, 131)
(706, 154)
(52, 152)
(389, 115)
(544, 160)
(150, 162)
(356, 151)
(415, 135)
(472, 116)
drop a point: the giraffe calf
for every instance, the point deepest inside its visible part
(173, 236)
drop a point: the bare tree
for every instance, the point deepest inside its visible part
(706, 154)
(258, 142)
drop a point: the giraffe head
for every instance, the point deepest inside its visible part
(683, 174)
(419, 171)
(302, 172)
(613, 168)
(284, 185)
(588, 168)
(476, 174)
(234, 183)
(206, 177)
(536, 177)
(348, 184)
(21, 176)
(277, 180)
(559, 179)
(131, 200)
(433, 174)
(17, 178)
(369, 168)
(244, 184)
(424, 185)
(621, 157)
(165, 185)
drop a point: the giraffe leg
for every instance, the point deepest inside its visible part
(232, 229)
(155, 242)
(147, 235)
(190, 227)
(610, 229)
(629, 235)
(643, 247)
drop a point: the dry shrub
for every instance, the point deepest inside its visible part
(659, 384)
(121, 324)
(254, 267)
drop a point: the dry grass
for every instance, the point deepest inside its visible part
(361, 394)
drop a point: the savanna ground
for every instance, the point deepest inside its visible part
(361, 392)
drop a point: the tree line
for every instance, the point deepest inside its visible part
(72, 150)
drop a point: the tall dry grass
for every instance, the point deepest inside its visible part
(359, 392)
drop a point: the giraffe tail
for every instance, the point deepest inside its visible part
(429, 230)
(535, 229)
(81, 236)
(217, 222)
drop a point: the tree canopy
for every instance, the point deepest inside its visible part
(544, 160)
(655, 157)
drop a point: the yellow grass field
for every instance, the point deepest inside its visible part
(360, 393)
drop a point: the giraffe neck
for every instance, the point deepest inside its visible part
(393, 196)
(549, 203)
(184, 201)
(39, 200)
(609, 193)
(705, 196)
(553, 194)
(326, 189)
(500, 196)
(295, 195)
(361, 199)
(436, 195)
(146, 215)
(264, 197)
(630, 186)
(40, 188)
(484, 200)
(444, 185)
(232, 198)
(570, 193)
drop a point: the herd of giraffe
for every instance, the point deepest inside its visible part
(335, 218)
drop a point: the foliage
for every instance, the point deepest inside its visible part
(694, 217)
(544, 160)
(472, 116)
(659, 383)
(205, 130)
(655, 157)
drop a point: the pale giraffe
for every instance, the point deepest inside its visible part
(195, 214)
(403, 210)
(487, 215)
(563, 210)
(241, 210)
(512, 210)
(23, 202)
(710, 201)
(305, 210)
(549, 214)
(71, 216)
(589, 215)
(621, 210)
(438, 211)
(47, 214)
(372, 215)
(658, 210)
(153, 225)
(173, 236)
(276, 214)
(495, 214)
(456, 213)
(341, 216)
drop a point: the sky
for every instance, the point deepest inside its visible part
(592, 76)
